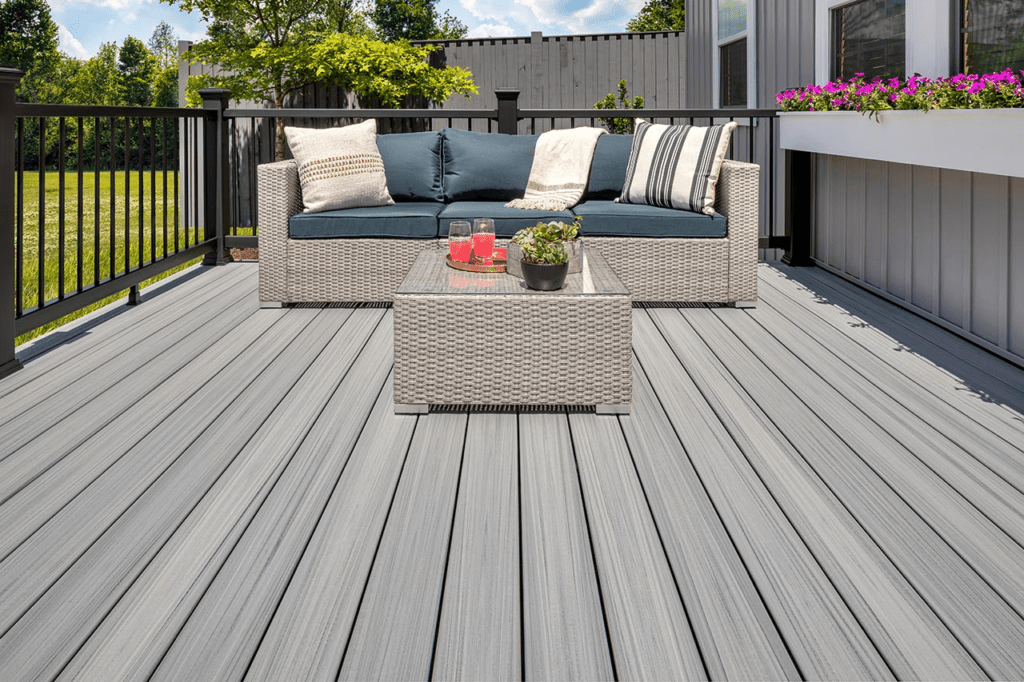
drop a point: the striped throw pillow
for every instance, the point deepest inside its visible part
(675, 166)
(339, 167)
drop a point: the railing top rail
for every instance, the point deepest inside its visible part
(360, 113)
(647, 113)
(29, 110)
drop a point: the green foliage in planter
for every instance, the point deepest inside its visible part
(542, 243)
(550, 253)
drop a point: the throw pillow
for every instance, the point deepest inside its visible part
(675, 166)
(339, 167)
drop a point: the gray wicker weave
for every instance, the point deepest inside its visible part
(681, 270)
(475, 339)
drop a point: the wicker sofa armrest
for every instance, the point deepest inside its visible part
(279, 198)
(737, 197)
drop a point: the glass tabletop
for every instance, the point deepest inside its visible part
(430, 275)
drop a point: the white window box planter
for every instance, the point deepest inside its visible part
(976, 140)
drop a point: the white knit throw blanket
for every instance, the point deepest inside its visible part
(561, 167)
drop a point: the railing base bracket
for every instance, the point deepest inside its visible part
(10, 367)
(211, 259)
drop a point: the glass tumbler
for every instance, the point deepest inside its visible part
(459, 245)
(483, 239)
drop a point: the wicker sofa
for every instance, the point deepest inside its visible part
(362, 255)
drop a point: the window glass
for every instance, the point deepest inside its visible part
(733, 70)
(732, 18)
(992, 35)
(869, 37)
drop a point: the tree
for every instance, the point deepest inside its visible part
(28, 35)
(137, 68)
(271, 48)
(164, 45)
(659, 15)
(414, 20)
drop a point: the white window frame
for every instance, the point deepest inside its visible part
(929, 33)
(716, 68)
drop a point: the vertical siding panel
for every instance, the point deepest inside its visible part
(990, 239)
(837, 212)
(898, 223)
(854, 229)
(925, 182)
(876, 219)
(954, 221)
(1015, 275)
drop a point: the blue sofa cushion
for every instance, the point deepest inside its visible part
(507, 221)
(609, 219)
(486, 166)
(412, 164)
(608, 170)
(407, 220)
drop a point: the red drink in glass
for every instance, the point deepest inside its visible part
(460, 250)
(483, 245)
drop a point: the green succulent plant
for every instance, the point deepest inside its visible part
(542, 243)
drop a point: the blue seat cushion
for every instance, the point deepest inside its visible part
(507, 221)
(486, 166)
(406, 220)
(609, 219)
(412, 164)
(608, 169)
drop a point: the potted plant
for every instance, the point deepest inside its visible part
(544, 264)
(568, 234)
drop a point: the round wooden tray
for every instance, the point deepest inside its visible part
(496, 265)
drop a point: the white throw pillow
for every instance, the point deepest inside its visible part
(675, 166)
(339, 167)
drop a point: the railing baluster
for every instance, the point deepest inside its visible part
(80, 252)
(185, 168)
(96, 202)
(178, 140)
(197, 179)
(128, 195)
(152, 190)
(20, 243)
(163, 159)
(142, 198)
(61, 233)
(41, 274)
(112, 247)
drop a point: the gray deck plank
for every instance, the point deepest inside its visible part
(563, 626)
(986, 433)
(736, 635)
(88, 585)
(916, 374)
(964, 455)
(977, 368)
(647, 622)
(825, 638)
(479, 632)
(308, 632)
(273, 461)
(393, 635)
(62, 420)
(107, 341)
(909, 559)
(41, 479)
(221, 635)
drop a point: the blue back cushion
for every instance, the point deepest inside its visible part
(412, 164)
(486, 166)
(608, 170)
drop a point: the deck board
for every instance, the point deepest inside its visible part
(824, 487)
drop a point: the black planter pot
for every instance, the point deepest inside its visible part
(544, 276)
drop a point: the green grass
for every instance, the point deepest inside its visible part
(137, 206)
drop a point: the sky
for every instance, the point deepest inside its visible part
(85, 24)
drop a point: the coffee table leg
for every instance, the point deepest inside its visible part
(415, 408)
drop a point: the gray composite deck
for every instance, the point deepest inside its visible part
(825, 487)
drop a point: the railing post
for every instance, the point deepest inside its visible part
(216, 182)
(9, 79)
(798, 208)
(508, 110)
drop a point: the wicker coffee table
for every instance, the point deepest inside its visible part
(485, 339)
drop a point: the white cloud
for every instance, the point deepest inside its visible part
(603, 16)
(69, 44)
(553, 17)
(491, 31)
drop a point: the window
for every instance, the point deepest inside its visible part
(733, 70)
(869, 37)
(991, 35)
(733, 61)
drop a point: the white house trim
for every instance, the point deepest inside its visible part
(929, 32)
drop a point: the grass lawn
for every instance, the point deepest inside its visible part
(147, 205)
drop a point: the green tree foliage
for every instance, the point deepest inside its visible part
(137, 67)
(271, 48)
(414, 20)
(28, 34)
(163, 44)
(659, 15)
(619, 126)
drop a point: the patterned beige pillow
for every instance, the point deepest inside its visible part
(676, 166)
(339, 167)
